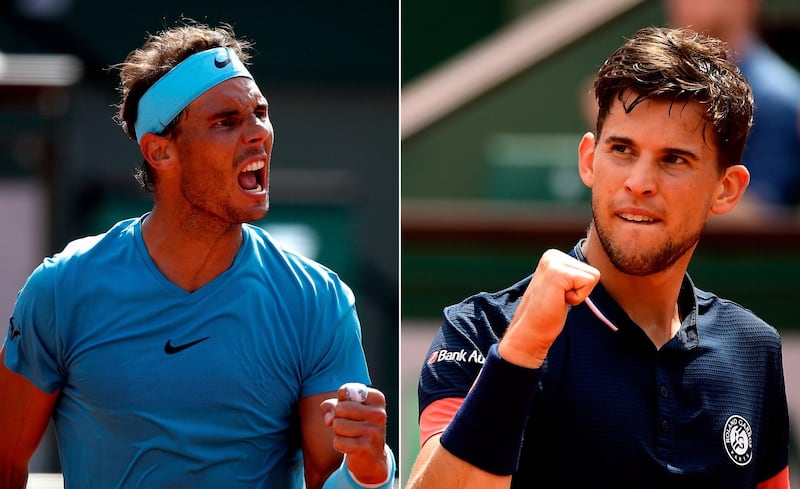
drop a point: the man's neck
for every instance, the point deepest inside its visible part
(651, 301)
(190, 251)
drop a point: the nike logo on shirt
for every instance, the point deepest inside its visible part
(171, 349)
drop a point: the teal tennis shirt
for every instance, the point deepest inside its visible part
(165, 388)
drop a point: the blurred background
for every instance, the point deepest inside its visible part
(495, 98)
(330, 73)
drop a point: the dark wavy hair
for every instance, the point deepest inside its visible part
(680, 66)
(158, 55)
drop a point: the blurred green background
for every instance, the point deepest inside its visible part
(490, 182)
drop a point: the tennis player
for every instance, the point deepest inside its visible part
(608, 367)
(187, 348)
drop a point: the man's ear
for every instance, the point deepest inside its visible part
(730, 189)
(158, 151)
(586, 159)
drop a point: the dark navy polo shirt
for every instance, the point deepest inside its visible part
(706, 410)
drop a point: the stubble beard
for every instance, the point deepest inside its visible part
(643, 263)
(208, 205)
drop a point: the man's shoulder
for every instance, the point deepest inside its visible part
(274, 257)
(78, 251)
(732, 319)
(711, 303)
(79, 263)
(267, 246)
(492, 309)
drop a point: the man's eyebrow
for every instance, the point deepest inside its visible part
(619, 140)
(225, 113)
(629, 142)
(681, 152)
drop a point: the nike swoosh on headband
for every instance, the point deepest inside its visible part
(189, 79)
(222, 64)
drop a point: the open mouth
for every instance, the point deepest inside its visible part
(251, 178)
(636, 218)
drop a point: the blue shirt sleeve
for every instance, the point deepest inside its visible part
(337, 354)
(32, 346)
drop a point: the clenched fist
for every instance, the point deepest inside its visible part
(560, 281)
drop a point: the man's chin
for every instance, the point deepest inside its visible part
(251, 214)
(257, 216)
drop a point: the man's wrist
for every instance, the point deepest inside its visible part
(496, 409)
(528, 357)
(389, 460)
(342, 478)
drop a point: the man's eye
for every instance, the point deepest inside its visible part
(674, 159)
(619, 148)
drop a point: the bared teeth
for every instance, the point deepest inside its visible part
(255, 166)
(635, 217)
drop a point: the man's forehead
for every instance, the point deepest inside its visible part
(677, 119)
(688, 113)
(230, 93)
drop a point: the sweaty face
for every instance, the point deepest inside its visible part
(653, 177)
(224, 143)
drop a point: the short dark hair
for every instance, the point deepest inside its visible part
(158, 55)
(680, 65)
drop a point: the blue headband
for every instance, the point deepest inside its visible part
(189, 79)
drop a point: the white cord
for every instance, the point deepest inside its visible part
(599, 314)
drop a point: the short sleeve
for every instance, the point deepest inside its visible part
(451, 366)
(775, 444)
(32, 345)
(459, 349)
(339, 355)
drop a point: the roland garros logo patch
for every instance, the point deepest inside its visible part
(738, 440)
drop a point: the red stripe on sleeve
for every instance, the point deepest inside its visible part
(779, 481)
(438, 415)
